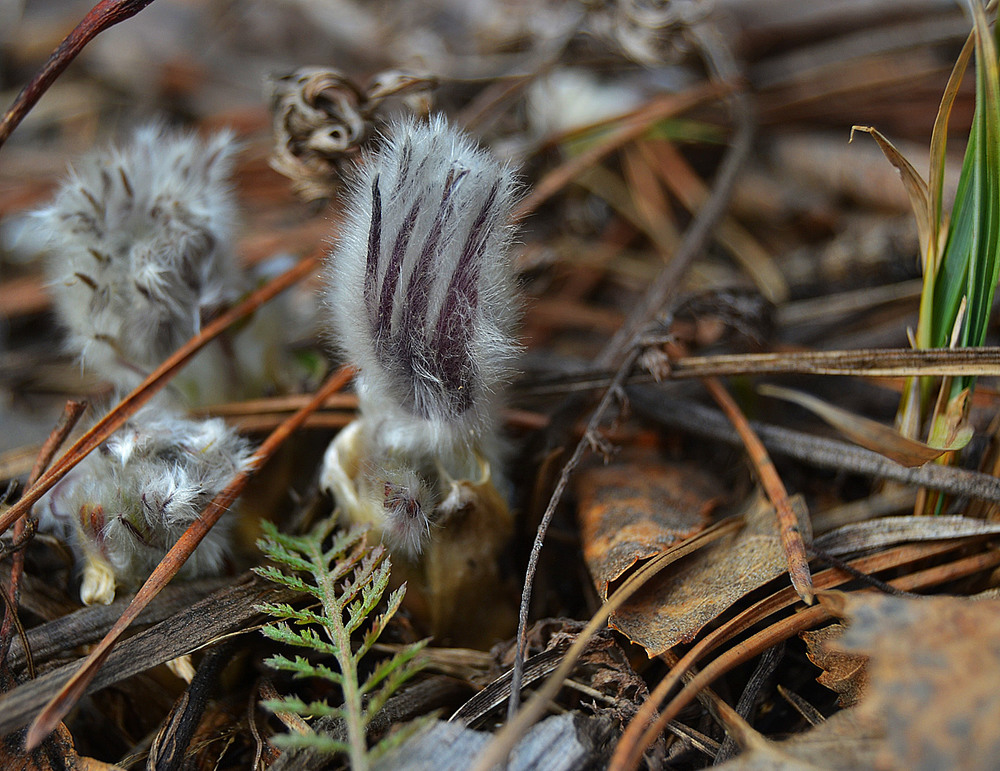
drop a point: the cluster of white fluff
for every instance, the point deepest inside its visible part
(140, 249)
(140, 255)
(128, 502)
(422, 294)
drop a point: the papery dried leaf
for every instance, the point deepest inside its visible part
(633, 511)
(694, 591)
(934, 677)
(844, 674)
(871, 434)
(321, 118)
(915, 185)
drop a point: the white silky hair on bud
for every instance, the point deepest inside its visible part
(129, 501)
(407, 502)
(140, 248)
(422, 293)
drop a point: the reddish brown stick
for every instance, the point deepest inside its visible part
(788, 523)
(71, 414)
(105, 14)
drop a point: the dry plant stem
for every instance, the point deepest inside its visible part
(870, 362)
(819, 451)
(156, 381)
(590, 438)
(71, 414)
(172, 562)
(631, 746)
(505, 739)
(103, 15)
(10, 612)
(875, 362)
(626, 342)
(788, 525)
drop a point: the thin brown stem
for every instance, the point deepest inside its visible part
(788, 523)
(22, 535)
(103, 15)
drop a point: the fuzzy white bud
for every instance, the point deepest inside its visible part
(421, 287)
(423, 300)
(128, 502)
(140, 244)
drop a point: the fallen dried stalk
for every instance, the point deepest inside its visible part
(105, 14)
(788, 523)
(71, 414)
(826, 453)
(870, 362)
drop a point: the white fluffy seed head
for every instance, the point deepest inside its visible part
(129, 501)
(421, 288)
(140, 244)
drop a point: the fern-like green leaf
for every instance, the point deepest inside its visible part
(307, 638)
(312, 741)
(276, 576)
(350, 579)
(299, 707)
(392, 674)
(380, 622)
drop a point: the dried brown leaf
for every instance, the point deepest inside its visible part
(693, 592)
(873, 435)
(915, 185)
(632, 511)
(934, 677)
(843, 673)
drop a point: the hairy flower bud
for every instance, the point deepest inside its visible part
(141, 249)
(421, 286)
(128, 502)
(422, 295)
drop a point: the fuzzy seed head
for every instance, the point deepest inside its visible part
(421, 286)
(128, 502)
(140, 248)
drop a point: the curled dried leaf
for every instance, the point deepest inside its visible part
(843, 673)
(321, 118)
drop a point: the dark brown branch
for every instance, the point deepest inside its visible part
(105, 14)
